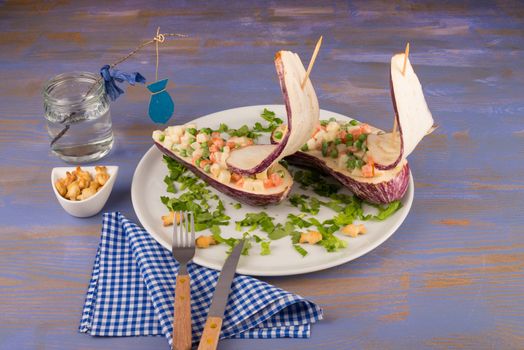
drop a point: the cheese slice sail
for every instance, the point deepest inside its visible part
(302, 117)
(414, 119)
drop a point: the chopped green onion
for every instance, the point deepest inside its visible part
(278, 135)
(192, 131)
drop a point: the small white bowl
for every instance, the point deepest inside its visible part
(92, 205)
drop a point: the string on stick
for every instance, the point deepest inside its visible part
(159, 38)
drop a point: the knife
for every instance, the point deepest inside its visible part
(209, 339)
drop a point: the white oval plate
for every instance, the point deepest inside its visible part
(148, 186)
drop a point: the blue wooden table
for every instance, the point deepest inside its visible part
(451, 277)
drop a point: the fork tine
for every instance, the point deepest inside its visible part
(186, 235)
(175, 232)
(192, 243)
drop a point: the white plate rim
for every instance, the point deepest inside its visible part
(407, 203)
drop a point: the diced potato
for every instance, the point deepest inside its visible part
(168, 142)
(342, 160)
(333, 126)
(158, 135)
(262, 175)
(224, 176)
(310, 237)
(168, 220)
(215, 169)
(205, 241)
(353, 230)
(201, 137)
(311, 144)
(258, 185)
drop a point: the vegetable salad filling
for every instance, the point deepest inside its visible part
(344, 143)
(208, 149)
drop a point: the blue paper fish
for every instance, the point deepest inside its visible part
(161, 105)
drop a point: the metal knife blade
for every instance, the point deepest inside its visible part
(223, 287)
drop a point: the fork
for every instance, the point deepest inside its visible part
(183, 249)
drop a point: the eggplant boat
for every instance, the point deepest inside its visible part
(236, 166)
(368, 161)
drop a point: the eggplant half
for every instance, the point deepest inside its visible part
(239, 191)
(379, 187)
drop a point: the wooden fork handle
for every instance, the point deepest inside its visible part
(182, 320)
(209, 340)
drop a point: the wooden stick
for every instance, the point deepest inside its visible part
(311, 62)
(406, 54)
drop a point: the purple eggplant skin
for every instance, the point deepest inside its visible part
(380, 193)
(239, 195)
(266, 163)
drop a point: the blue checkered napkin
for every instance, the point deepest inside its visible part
(132, 285)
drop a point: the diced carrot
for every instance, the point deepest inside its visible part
(368, 170)
(268, 183)
(240, 182)
(235, 177)
(356, 133)
(204, 162)
(215, 134)
(217, 141)
(276, 179)
(231, 144)
(212, 157)
(365, 128)
(213, 148)
(342, 135)
(249, 142)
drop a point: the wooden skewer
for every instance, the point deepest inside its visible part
(312, 62)
(406, 54)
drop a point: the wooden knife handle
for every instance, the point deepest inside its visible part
(182, 320)
(209, 340)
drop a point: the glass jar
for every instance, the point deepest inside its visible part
(78, 117)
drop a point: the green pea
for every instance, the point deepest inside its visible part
(278, 135)
(359, 163)
(162, 138)
(324, 148)
(337, 141)
(324, 122)
(349, 140)
(358, 144)
(353, 122)
(363, 137)
(304, 148)
(334, 153)
(351, 163)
